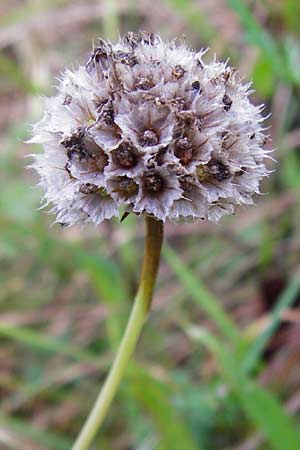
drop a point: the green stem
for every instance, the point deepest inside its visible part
(142, 302)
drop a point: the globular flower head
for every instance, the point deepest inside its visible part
(149, 127)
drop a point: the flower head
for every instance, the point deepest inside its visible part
(150, 127)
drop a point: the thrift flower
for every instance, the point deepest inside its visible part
(149, 127)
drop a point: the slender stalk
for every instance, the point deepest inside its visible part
(142, 303)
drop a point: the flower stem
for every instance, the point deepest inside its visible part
(142, 303)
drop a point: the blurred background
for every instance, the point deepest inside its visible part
(218, 364)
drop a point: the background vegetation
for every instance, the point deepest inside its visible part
(218, 364)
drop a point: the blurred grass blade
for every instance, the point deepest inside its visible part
(27, 10)
(12, 72)
(45, 343)
(291, 10)
(260, 405)
(111, 23)
(200, 294)
(109, 284)
(103, 272)
(285, 300)
(43, 384)
(194, 17)
(261, 38)
(52, 440)
(153, 397)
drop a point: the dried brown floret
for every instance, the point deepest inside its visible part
(218, 170)
(126, 155)
(74, 142)
(153, 182)
(183, 150)
(100, 57)
(128, 58)
(144, 83)
(88, 188)
(196, 85)
(127, 186)
(149, 138)
(227, 102)
(178, 72)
